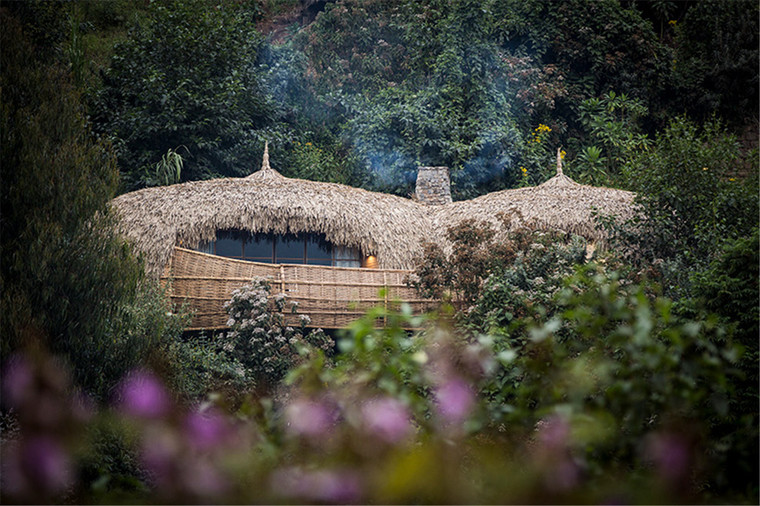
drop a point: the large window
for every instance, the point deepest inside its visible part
(282, 249)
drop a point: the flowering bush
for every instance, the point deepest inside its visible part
(259, 338)
(536, 162)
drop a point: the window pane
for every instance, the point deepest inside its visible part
(317, 250)
(206, 247)
(229, 247)
(229, 243)
(320, 261)
(342, 253)
(260, 248)
(289, 249)
(348, 263)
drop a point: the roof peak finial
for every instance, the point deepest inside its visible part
(265, 160)
(559, 161)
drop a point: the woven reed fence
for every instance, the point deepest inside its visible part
(332, 297)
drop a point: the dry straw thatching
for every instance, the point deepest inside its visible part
(558, 204)
(156, 219)
(390, 227)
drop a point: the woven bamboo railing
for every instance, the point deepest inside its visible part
(332, 297)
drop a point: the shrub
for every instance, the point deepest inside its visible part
(619, 368)
(198, 368)
(487, 278)
(690, 202)
(524, 288)
(70, 284)
(259, 337)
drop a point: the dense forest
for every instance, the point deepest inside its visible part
(629, 376)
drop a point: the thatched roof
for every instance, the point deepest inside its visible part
(155, 219)
(558, 204)
(390, 227)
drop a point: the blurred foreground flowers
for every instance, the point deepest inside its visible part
(433, 417)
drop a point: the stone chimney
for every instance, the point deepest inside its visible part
(433, 186)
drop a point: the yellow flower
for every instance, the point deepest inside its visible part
(732, 179)
(524, 171)
(562, 154)
(704, 168)
(308, 143)
(672, 22)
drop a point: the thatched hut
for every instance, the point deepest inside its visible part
(328, 246)
(559, 204)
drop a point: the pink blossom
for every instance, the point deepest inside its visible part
(38, 467)
(18, 380)
(327, 486)
(206, 430)
(143, 395)
(554, 433)
(203, 479)
(455, 400)
(387, 418)
(670, 454)
(309, 418)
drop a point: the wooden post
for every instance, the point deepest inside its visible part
(385, 292)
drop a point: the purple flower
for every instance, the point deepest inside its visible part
(206, 430)
(328, 486)
(554, 433)
(47, 463)
(455, 400)
(43, 466)
(18, 380)
(387, 418)
(309, 418)
(143, 395)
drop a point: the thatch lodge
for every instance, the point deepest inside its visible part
(328, 246)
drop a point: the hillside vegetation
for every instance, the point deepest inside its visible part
(546, 375)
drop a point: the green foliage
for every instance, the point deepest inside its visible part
(494, 280)
(690, 203)
(198, 368)
(69, 283)
(259, 338)
(613, 123)
(185, 76)
(617, 366)
(460, 275)
(594, 46)
(728, 287)
(109, 466)
(374, 360)
(326, 161)
(523, 288)
(447, 104)
(166, 172)
(591, 163)
(537, 157)
(716, 61)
